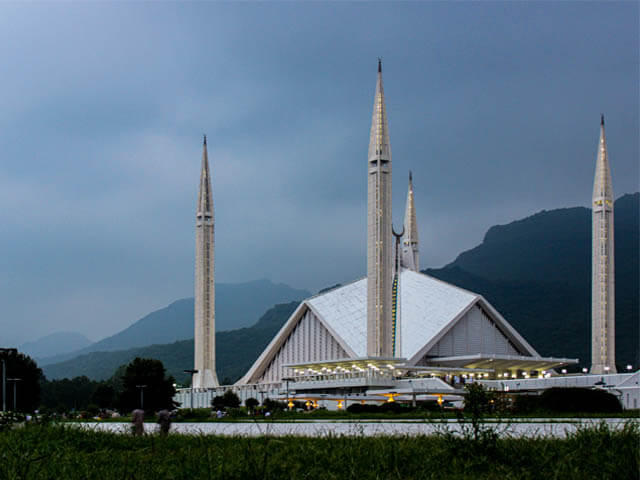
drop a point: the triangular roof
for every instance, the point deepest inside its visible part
(428, 309)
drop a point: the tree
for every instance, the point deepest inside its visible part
(104, 395)
(19, 365)
(231, 400)
(251, 403)
(217, 402)
(478, 402)
(67, 394)
(148, 375)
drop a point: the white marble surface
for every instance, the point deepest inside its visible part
(532, 428)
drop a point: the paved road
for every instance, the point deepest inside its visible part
(532, 428)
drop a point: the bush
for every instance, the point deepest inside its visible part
(357, 408)
(193, 414)
(217, 402)
(579, 400)
(251, 403)
(231, 400)
(430, 406)
(392, 407)
(273, 405)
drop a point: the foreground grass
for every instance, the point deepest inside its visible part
(47, 452)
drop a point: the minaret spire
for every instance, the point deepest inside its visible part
(379, 233)
(204, 295)
(602, 265)
(410, 257)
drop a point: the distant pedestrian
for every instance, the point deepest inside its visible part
(219, 414)
(164, 420)
(137, 421)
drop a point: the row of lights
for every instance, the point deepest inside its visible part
(340, 369)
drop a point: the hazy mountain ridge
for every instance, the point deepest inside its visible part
(537, 273)
(237, 305)
(55, 344)
(236, 351)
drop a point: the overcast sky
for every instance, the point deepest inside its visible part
(494, 106)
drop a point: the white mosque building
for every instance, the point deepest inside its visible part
(396, 332)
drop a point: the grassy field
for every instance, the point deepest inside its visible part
(58, 452)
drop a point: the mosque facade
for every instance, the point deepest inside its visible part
(398, 331)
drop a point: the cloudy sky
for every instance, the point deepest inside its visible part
(494, 106)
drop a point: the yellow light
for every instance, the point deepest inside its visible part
(340, 405)
(290, 404)
(440, 400)
(391, 399)
(307, 403)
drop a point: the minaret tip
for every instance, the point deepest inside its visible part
(410, 177)
(602, 119)
(205, 140)
(379, 65)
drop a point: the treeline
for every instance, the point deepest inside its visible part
(81, 393)
(143, 383)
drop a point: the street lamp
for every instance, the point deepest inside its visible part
(141, 387)
(629, 367)
(15, 382)
(192, 372)
(4, 376)
(289, 403)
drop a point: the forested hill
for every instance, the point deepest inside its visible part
(236, 350)
(537, 273)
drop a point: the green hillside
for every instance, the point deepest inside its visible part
(236, 350)
(537, 273)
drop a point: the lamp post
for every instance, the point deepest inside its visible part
(141, 387)
(15, 383)
(4, 376)
(286, 379)
(192, 372)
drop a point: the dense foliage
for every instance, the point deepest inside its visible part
(38, 452)
(26, 380)
(569, 400)
(69, 394)
(144, 381)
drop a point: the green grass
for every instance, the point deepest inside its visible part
(58, 452)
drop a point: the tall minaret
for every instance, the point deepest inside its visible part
(205, 295)
(379, 236)
(603, 316)
(410, 258)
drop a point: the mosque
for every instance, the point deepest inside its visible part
(397, 333)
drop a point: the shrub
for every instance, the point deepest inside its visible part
(357, 408)
(582, 400)
(193, 414)
(230, 399)
(392, 407)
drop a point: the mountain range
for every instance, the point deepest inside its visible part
(236, 350)
(238, 305)
(535, 271)
(54, 344)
